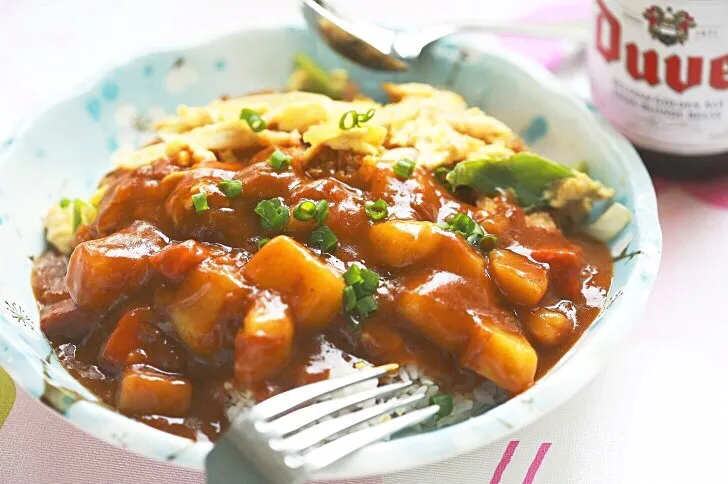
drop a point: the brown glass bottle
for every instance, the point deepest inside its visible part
(659, 74)
(667, 165)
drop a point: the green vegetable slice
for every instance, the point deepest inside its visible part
(376, 210)
(199, 201)
(445, 403)
(279, 160)
(323, 239)
(305, 211)
(403, 168)
(256, 123)
(273, 214)
(527, 174)
(230, 188)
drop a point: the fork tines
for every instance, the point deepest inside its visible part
(286, 440)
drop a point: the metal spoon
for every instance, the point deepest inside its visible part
(384, 49)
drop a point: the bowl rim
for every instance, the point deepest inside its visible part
(515, 414)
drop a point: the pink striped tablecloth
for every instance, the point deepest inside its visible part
(657, 414)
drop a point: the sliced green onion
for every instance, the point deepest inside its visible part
(444, 402)
(256, 123)
(64, 202)
(230, 188)
(349, 299)
(366, 305)
(441, 177)
(199, 200)
(376, 210)
(464, 225)
(352, 119)
(352, 276)
(262, 242)
(348, 120)
(370, 281)
(488, 242)
(322, 211)
(404, 168)
(273, 214)
(304, 211)
(279, 160)
(323, 239)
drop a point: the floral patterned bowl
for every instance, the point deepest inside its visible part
(65, 150)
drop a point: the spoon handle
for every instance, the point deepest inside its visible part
(570, 31)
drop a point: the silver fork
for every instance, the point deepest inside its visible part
(275, 442)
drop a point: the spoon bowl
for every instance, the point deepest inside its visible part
(383, 49)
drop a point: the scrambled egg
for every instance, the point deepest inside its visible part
(575, 196)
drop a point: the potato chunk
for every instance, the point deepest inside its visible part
(263, 345)
(429, 308)
(549, 327)
(308, 286)
(146, 391)
(402, 243)
(206, 306)
(520, 280)
(101, 271)
(504, 357)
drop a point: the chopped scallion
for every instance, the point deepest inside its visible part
(305, 211)
(256, 123)
(464, 225)
(199, 200)
(441, 177)
(352, 119)
(64, 202)
(322, 211)
(323, 239)
(230, 188)
(262, 242)
(279, 160)
(445, 403)
(403, 168)
(366, 305)
(376, 210)
(349, 299)
(273, 214)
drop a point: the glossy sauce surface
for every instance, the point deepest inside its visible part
(148, 281)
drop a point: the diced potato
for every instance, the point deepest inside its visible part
(64, 321)
(263, 345)
(402, 243)
(429, 308)
(504, 357)
(210, 298)
(520, 280)
(144, 391)
(103, 270)
(549, 327)
(458, 256)
(309, 287)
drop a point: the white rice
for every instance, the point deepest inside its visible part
(483, 398)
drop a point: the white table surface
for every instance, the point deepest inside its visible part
(657, 414)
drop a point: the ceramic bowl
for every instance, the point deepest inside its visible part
(66, 148)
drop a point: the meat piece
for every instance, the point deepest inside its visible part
(308, 286)
(207, 307)
(145, 391)
(263, 345)
(136, 340)
(175, 260)
(102, 271)
(64, 321)
(564, 268)
(520, 280)
(504, 357)
(547, 326)
(49, 270)
(404, 242)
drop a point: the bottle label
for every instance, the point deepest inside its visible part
(659, 72)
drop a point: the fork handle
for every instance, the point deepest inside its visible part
(225, 464)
